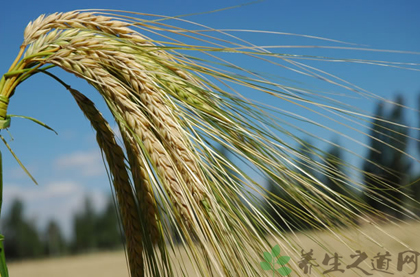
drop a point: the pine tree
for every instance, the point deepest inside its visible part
(372, 166)
(54, 240)
(387, 168)
(399, 164)
(335, 179)
(21, 236)
(335, 167)
(107, 228)
(286, 211)
(85, 238)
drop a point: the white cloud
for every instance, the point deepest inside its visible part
(40, 193)
(88, 163)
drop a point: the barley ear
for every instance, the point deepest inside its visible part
(115, 157)
(144, 192)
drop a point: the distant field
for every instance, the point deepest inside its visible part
(114, 264)
(109, 264)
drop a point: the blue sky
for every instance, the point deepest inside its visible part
(69, 165)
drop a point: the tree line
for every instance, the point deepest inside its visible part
(386, 171)
(92, 231)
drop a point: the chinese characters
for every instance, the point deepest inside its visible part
(407, 261)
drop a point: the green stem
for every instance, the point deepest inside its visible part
(19, 65)
(9, 90)
(1, 181)
(16, 72)
(37, 71)
(3, 267)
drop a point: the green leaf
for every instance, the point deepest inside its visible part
(283, 260)
(265, 266)
(275, 251)
(17, 159)
(36, 121)
(284, 271)
(268, 257)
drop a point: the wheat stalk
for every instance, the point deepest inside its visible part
(144, 191)
(115, 158)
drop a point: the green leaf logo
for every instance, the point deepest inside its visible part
(275, 251)
(267, 257)
(283, 260)
(284, 271)
(273, 258)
